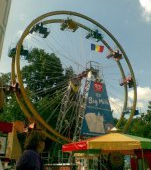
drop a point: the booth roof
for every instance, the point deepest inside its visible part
(109, 142)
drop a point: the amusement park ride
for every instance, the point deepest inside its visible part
(86, 100)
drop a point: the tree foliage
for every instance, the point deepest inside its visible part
(43, 78)
(11, 110)
(44, 71)
(141, 125)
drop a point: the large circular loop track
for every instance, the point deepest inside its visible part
(80, 34)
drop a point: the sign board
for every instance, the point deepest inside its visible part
(98, 117)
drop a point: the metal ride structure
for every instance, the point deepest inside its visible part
(67, 36)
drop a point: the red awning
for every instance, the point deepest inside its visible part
(76, 146)
(6, 127)
(81, 145)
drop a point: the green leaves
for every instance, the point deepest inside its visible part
(141, 125)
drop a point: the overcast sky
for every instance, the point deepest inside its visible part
(128, 20)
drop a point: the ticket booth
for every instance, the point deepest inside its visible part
(10, 149)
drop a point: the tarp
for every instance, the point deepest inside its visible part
(6, 127)
(109, 142)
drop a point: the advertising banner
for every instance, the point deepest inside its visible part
(98, 117)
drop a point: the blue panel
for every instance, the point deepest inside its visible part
(98, 117)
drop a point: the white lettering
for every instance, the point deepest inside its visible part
(96, 102)
(93, 101)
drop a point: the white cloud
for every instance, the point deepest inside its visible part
(116, 105)
(143, 97)
(143, 93)
(146, 8)
(146, 5)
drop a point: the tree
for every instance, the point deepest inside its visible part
(45, 81)
(11, 109)
(141, 125)
(44, 71)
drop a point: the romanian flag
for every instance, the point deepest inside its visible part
(98, 48)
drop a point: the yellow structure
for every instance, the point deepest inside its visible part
(13, 149)
(4, 12)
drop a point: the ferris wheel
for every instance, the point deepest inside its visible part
(57, 57)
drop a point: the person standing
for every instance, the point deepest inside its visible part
(34, 145)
